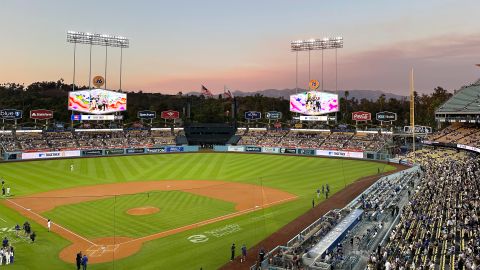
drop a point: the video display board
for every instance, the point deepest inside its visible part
(97, 101)
(314, 103)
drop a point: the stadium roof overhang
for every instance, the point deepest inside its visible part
(464, 106)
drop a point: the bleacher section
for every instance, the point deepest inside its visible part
(324, 139)
(38, 140)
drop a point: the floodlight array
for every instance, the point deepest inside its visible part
(97, 39)
(316, 44)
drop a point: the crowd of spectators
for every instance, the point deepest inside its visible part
(315, 139)
(8, 142)
(380, 205)
(439, 228)
(98, 139)
(458, 133)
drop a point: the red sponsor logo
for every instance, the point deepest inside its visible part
(41, 114)
(170, 114)
(361, 116)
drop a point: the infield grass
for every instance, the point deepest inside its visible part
(298, 175)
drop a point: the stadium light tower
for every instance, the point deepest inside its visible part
(315, 45)
(98, 40)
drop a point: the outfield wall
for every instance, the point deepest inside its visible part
(12, 156)
(298, 151)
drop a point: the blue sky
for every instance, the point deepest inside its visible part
(179, 45)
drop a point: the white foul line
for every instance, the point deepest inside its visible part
(63, 228)
(210, 221)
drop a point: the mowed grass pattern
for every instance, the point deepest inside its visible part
(177, 209)
(298, 175)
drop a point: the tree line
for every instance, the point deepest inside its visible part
(53, 95)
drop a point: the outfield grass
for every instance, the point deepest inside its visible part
(298, 175)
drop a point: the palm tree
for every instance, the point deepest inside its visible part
(347, 93)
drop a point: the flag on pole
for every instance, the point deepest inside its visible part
(227, 93)
(206, 92)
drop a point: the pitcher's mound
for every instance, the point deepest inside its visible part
(141, 211)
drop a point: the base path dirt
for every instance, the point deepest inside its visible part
(142, 211)
(287, 232)
(246, 197)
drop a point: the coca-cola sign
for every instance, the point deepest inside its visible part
(361, 116)
(170, 114)
(41, 114)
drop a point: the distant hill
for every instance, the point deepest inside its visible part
(357, 94)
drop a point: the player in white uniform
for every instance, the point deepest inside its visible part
(71, 167)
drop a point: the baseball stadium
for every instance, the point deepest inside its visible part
(316, 178)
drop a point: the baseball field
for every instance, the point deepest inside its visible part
(170, 211)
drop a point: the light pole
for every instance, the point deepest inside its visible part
(315, 45)
(99, 40)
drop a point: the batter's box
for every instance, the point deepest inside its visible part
(99, 250)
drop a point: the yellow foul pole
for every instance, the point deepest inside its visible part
(412, 111)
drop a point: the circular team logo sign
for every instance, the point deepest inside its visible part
(313, 84)
(198, 238)
(98, 81)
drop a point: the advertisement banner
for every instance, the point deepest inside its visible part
(135, 150)
(92, 152)
(171, 149)
(288, 150)
(333, 153)
(418, 129)
(386, 116)
(235, 148)
(52, 154)
(467, 147)
(147, 114)
(361, 116)
(253, 149)
(251, 115)
(270, 150)
(114, 152)
(97, 101)
(313, 118)
(11, 114)
(86, 117)
(41, 114)
(155, 150)
(309, 152)
(273, 115)
(170, 114)
(314, 103)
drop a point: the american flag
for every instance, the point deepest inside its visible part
(206, 92)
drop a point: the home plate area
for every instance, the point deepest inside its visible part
(100, 250)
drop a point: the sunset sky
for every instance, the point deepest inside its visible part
(179, 45)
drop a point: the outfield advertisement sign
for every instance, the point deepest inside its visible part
(308, 152)
(135, 150)
(87, 117)
(253, 149)
(234, 148)
(334, 153)
(147, 114)
(155, 150)
(114, 152)
(275, 150)
(170, 149)
(92, 152)
(53, 154)
(288, 150)
(11, 114)
(41, 114)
